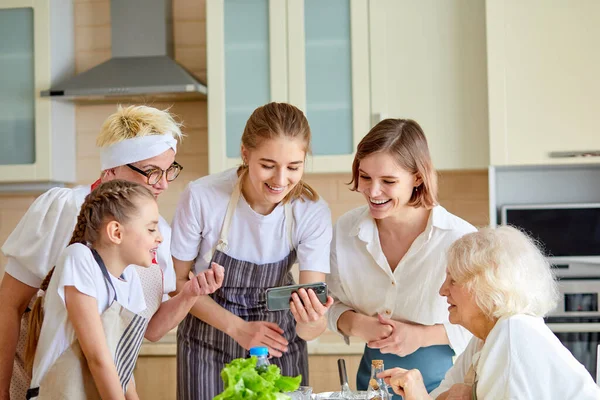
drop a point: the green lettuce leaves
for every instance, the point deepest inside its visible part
(243, 381)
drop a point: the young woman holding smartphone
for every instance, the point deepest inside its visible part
(256, 221)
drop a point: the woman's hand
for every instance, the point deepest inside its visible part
(261, 333)
(206, 282)
(405, 338)
(364, 327)
(407, 383)
(306, 306)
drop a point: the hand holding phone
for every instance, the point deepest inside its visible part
(279, 298)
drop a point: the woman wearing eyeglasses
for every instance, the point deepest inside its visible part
(138, 144)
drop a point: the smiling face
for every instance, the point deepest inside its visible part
(462, 309)
(141, 236)
(386, 186)
(161, 161)
(274, 168)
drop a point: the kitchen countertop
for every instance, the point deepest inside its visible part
(328, 343)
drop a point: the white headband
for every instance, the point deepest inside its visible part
(136, 149)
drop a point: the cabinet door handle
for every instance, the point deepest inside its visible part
(567, 154)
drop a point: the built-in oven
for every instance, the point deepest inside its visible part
(570, 235)
(576, 320)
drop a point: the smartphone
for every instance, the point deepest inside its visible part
(278, 298)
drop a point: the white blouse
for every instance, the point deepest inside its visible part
(362, 280)
(45, 230)
(522, 359)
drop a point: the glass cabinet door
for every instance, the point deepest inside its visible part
(17, 91)
(329, 76)
(247, 72)
(247, 68)
(313, 54)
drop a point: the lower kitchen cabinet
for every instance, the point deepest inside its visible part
(323, 370)
(156, 376)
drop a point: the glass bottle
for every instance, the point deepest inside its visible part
(378, 389)
(262, 355)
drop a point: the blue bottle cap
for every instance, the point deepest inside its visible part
(259, 351)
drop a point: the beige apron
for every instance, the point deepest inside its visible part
(471, 375)
(70, 378)
(471, 380)
(152, 284)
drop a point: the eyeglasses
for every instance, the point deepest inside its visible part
(155, 175)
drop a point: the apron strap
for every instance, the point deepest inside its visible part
(222, 243)
(289, 223)
(104, 272)
(471, 377)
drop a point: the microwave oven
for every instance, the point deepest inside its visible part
(568, 233)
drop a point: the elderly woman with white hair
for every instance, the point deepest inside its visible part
(499, 286)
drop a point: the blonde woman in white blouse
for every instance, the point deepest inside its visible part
(499, 286)
(388, 257)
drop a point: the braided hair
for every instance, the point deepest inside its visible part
(113, 200)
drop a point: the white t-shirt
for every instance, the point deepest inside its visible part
(253, 237)
(45, 230)
(361, 278)
(77, 267)
(522, 359)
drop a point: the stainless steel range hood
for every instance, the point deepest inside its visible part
(141, 63)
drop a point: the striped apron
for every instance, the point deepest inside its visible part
(203, 351)
(70, 378)
(432, 362)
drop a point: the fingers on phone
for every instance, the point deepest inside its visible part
(300, 308)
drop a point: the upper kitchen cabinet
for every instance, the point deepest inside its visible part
(329, 76)
(428, 63)
(310, 53)
(36, 47)
(543, 68)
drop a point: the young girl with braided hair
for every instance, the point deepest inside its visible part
(85, 341)
(137, 144)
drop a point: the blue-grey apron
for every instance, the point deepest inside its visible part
(433, 362)
(203, 351)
